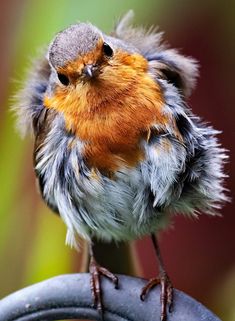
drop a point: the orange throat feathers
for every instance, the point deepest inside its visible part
(112, 113)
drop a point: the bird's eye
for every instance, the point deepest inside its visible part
(63, 79)
(108, 51)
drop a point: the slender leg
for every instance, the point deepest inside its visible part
(96, 271)
(163, 279)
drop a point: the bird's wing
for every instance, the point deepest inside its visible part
(32, 116)
(42, 125)
(29, 100)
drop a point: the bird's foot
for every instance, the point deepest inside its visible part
(166, 297)
(96, 271)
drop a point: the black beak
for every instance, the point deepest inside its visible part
(89, 71)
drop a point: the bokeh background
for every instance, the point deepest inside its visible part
(199, 255)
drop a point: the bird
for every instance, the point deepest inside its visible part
(117, 149)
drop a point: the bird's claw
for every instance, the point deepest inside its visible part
(96, 271)
(166, 297)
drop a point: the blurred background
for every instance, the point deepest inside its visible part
(199, 255)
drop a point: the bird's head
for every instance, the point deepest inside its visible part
(78, 54)
(88, 66)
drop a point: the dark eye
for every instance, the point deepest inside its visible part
(63, 79)
(108, 51)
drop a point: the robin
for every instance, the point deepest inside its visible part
(117, 150)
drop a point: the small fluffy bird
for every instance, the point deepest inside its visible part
(118, 152)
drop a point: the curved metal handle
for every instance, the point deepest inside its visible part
(69, 297)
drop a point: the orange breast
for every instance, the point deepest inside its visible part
(113, 114)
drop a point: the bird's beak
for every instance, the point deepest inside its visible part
(89, 71)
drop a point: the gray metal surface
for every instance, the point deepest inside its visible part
(69, 296)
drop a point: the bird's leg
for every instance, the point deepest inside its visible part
(163, 279)
(96, 271)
